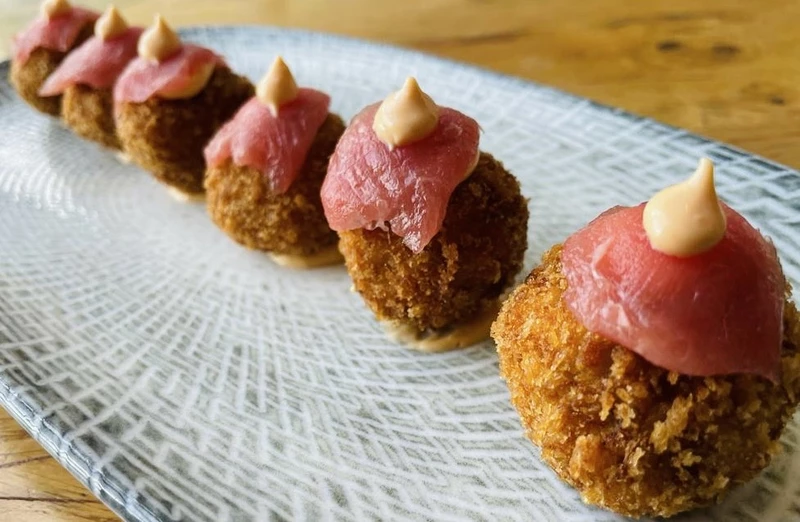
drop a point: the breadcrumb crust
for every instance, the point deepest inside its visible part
(242, 204)
(28, 78)
(462, 271)
(630, 436)
(89, 112)
(167, 137)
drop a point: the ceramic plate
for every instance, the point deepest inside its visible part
(182, 377)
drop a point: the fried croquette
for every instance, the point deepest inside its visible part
(241, 203)
(462, 271)
(89, 112)
(28, 78)
(629, 436)
(167, 137)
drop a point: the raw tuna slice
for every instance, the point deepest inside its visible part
(277, 146)
(369, 185)
(716, 313)
(96, 63)
(56, 34)
(143, 79)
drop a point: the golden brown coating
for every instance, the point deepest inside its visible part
(465, 267)
(89, 112)
(167, 137)
(632, 437)
(241, 203)
(28, 78)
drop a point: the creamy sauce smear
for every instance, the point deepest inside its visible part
(686, 219)
(277, 87)
(405, 116)
(327, 257)
(460, 336)
(159, 43)
(54, 8)
(186, 197)
(109, 25)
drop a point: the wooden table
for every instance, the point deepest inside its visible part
(725, 69)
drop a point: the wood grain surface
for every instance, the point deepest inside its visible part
(725, 69)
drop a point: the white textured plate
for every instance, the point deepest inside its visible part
(181, 376)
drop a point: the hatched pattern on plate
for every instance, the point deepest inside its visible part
(182, 377)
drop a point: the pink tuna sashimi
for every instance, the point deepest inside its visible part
(716, 313)
(96, 63)
(276, 146)
(56, 34)
(143, 79)
(409, 187)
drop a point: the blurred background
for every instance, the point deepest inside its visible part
(728, 69)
